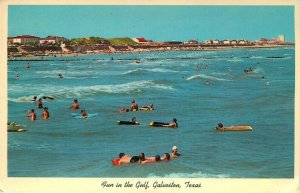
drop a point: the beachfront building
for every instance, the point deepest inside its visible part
(208, 42)
(52, 40)
(281, 38)
(242, 42)
(191, 42)
(215, 42)
(140, 40)
(263, 41)
(273, 41)
(24, 39)
(226, 42)
(233, 42)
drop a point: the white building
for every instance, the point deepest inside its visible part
(24, 39)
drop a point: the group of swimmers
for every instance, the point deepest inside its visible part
(135, 107)
(141, 159)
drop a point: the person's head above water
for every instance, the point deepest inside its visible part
(75, 101)
(220, 125)
(121, 155)
(157, 158)
(142, 156)
(175, 120)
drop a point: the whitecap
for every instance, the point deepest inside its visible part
(203, 76)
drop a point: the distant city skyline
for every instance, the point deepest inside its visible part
(157, 23)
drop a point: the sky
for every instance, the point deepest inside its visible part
(157, 23)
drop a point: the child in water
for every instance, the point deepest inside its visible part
(45, 114)
(84, 114)
(31, 114)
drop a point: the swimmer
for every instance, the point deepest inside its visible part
(166, 157)
(31, 114)
(206, 66)
(133, 120)
(47, 97)
(59, 76)
(220, 127)
(45, 114)
(17, 77)
(149, 107)
(34, 99)
(144, 160)
(123, 110)
(84, 114)
(173, 124)
(134, 106)
(40, 104)
(74, 105)
(28, 65)
(197, 68)
(175, 153)
(126, 159)
(207, 82)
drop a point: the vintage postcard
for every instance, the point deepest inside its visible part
(188, 96)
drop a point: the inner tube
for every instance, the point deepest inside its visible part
(236, 128)
(115, 162)
(127, 123)
(158, 124)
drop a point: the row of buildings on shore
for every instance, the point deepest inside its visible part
(33, 45)
(34, 40)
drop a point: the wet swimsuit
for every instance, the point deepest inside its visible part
(134, 159)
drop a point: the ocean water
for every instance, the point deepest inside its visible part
(64, 146)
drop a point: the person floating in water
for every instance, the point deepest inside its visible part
(126, 159)
(75, 105)
(133, 120)
(45, 114)
(175, 153)
(31, 114)
(123, 110)
(59, 76)
(84, 114)
(134, 106)
(40, 103)
(166, 157)
(28, 65)
(34, 99)
(17, 77)
(149, 107)
(144, 160)
(173, 124)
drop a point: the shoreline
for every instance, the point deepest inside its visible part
(73, 56)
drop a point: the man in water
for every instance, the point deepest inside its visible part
(173, 124)
(45, 114)
(220, 127)
(75, 105)
(133, 120)
(126, 159)
(144, 160)
(149, 107)
(32, 115)
(166, 157)
(84, 114)
(123, 110)
(134, 106)
(175, 153)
